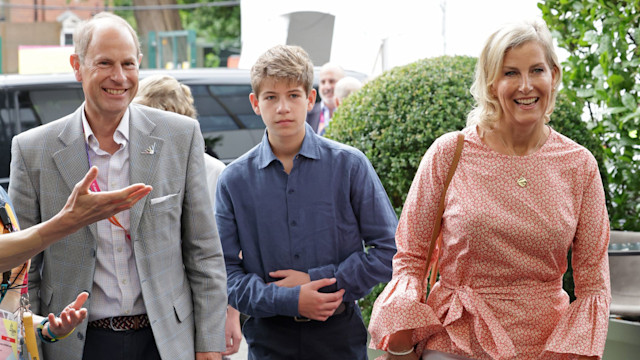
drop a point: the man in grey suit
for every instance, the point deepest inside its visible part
(156, 272)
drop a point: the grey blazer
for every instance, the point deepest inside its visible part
(177, 250)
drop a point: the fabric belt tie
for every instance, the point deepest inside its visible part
(122, 323)
(492, 337)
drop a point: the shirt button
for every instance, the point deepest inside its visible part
(296, 256)
(119, 249)
(124, 281)
(126, 312)
(291, 191)
(294, 223)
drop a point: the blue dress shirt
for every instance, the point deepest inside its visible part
(317, 219)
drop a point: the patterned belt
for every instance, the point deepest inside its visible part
(122, 323)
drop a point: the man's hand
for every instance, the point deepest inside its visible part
(316, 305)
(290, 278)
(72, 315)
(232, 331)
(85, 207)
(208, 356)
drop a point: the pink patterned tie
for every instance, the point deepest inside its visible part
(321, 123)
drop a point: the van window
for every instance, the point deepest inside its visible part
(51, 105)
(211, 114)
(224, 107)
(236, 100)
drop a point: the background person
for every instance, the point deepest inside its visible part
(164, 92)
(156, 275)
(521, 197)
(320, 115)
(344, 87)
(294, 215)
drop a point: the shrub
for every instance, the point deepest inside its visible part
(394, 118)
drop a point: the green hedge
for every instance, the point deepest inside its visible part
(395, 117)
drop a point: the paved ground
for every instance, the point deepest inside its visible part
(242, 353)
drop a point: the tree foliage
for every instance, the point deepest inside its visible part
(218, 25)
(603, 71)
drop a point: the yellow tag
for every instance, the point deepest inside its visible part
(12, 216)
(30, 336)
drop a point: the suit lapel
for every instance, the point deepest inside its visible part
(72, 160)
(144, 152)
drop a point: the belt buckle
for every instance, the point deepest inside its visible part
(301, 319)
(112, 327)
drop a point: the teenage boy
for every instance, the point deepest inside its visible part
(294, 215)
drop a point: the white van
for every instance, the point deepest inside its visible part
(221, 97)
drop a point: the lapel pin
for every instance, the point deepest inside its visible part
(150, 150)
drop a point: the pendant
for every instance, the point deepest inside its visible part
(522, 181)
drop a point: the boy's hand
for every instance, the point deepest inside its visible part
(232, 331)
(316, 305)
(290, 278)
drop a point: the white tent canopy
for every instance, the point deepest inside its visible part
(372, 35)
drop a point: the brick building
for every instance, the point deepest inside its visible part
(39, 23)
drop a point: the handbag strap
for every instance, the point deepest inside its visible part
(438, 221)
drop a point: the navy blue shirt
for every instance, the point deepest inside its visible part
(317, 219)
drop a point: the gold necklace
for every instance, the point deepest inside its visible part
(522, 180)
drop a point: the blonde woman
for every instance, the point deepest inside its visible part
(521, 197)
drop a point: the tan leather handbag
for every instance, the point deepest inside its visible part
(436, 237)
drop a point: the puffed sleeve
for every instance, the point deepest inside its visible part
(586, 320)
(401, 305)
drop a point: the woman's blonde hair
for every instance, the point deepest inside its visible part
(164, 92)
(487, 110)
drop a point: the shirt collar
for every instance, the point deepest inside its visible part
(309, 148)
(121, 135)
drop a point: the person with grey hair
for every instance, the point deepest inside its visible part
(521, 196)
(344, 87)
(155, 272)
(320, 115)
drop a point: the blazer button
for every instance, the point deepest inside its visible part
(93, 252)
(80, 336)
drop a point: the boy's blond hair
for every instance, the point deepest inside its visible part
(283, 62)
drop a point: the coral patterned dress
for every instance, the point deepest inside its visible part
(503, 256)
